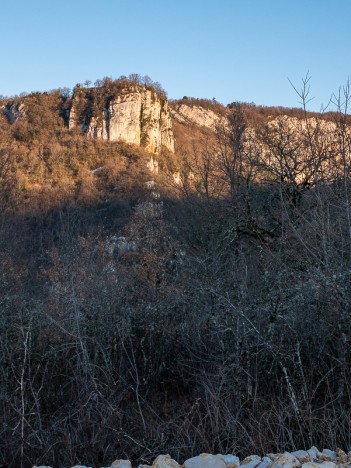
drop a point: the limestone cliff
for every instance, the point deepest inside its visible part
(197, 115)
(136, 115)
(14, 111)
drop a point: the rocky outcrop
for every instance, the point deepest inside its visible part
(14, 111)
(137, 116)
(197, 115)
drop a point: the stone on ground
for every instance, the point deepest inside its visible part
(314, 453)
(231, 461)
(121, 464)
(252, 461)
(302, 456)
(328, 455)
(165, 461)
(324, 464)
(286, 460)
(205, 460)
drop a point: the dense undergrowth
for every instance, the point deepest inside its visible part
(225, 328)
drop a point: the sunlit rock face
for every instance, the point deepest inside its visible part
(137, 116)
(197, 115)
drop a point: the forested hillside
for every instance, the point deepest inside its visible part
(200, 307)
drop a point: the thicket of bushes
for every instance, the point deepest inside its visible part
(227, 330)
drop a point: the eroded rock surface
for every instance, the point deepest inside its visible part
(197, 115)
(137, 116)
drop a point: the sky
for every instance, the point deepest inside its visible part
(230, 50)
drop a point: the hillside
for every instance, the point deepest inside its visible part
(175, 276)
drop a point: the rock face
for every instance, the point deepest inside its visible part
(137, 115)
(197, 115)
(14, 111)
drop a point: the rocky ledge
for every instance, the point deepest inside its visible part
(311, 458)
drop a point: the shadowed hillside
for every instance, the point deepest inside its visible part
(181, 302)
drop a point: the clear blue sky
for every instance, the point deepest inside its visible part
(228, 49)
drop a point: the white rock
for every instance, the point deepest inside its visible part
(285, 460)
(177, 178)
(314, 453)
(324, 464)
(253, 464)
(137, 118)
(121, 464)
(15, 111)
(198, 115)
(302, 456)
(137, 115)
(81, 466)
(329, 455)
(152, 165)
(205, 460)
(264, 463)
(250, 459)
(231, 461)
(165, 461)
(150, 184)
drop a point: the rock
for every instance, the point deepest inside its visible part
(205, 460)
(80, 466)
(231, 461)
(198, 115)
(119, 245)
(177, 178)
(342, 456)
(302, 456)
(152, 165)
(165, 461)
(136, 115)
(313, 453)
(328, 455)
(121, 464)
(252, 461)
(253, 464)
(14, 111)
(285, 460)
(324, 464)
(150, 184)
(265, 463)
